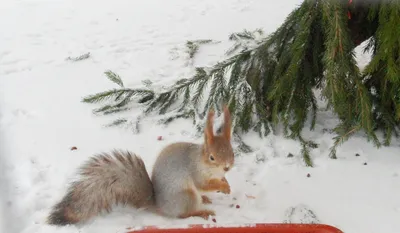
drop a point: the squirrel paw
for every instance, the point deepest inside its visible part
(225, 188)
(217, 185)
(206, 200)
(205, 214)
(199, 213)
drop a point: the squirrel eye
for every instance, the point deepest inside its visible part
(212, 158)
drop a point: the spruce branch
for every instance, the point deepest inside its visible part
(117, 122)
(242, 147)
(116, 93)
(147, 83)
(194, 45)
(115, 78)
(344, 132)
(133, 124)
(305, 151)
(245, 40)
(270, 80)
(79, 58)
(115, 110)
(189, 114)
(136, 124)
(382, 73)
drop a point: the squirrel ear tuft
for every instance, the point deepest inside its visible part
(227, 123)
(209, 130)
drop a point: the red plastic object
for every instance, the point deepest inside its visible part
(249, 228)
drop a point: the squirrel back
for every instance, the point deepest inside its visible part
(182, 171)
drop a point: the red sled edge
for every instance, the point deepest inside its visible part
(248, 228)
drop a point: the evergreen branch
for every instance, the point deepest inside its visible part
(80, 58)
(246, 104)
(313, 112)
(229, 62)
(305, 151)
(146, 98)
(117, 122)
(147, 83)
(244, 40)
(263, 125)
(103, 109)
(244, 35)
(171, 99)
(341, 138)
(113, 77)
(383, 70)
(348, 95)
(118, 97)
(99, 97)
(106, 95)
(236, 72)
(165, 99)
(243, 147)
(185, 115)
(186, 99)
(136, 124)
(159, 101)
(193, 46)
(115, 110)
(199, 92)
(272, 79)
(233, 49)
(216, 89)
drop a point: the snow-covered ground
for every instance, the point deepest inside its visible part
(41, 117)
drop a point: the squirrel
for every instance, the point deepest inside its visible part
(182, 173)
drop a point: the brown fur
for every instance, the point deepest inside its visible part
(216, 185)
(191, 211)
(209, 131)
(199, 213)
(106, 179)
(206, 200)
(219, 146)
(227, 124)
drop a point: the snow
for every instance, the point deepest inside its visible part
(41, 117)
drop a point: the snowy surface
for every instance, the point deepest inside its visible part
(41, 117)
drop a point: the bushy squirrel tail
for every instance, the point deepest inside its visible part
(119, 177)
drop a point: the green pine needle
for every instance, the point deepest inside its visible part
(193, 46)
(117, 122)
(115, 78)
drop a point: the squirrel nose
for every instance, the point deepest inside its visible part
(226, 169)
